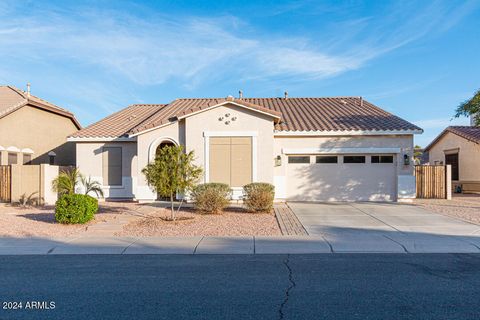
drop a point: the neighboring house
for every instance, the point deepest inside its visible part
(34, 131)
(313, 149)
(458, 146)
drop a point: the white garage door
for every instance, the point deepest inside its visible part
(341, 178)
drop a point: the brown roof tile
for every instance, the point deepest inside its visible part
(120, 123)
(12, 99)
(294, 114)
(467, 132)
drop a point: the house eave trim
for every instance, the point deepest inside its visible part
(226, 103)
(346, 133)
(101, 139)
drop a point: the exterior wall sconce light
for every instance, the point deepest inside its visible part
(51, 158)
(278, 161)
(406, 160)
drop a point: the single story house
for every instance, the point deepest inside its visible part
(459, 146)
(311, 149)
(34, 131)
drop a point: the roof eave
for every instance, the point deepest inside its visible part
(347, 132)
(101, 139)
(66, 114)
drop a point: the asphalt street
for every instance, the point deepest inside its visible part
(323, 286)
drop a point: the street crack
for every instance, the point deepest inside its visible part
(289, 288)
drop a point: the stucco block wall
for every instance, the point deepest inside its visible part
(41, 131)
(468, 155)
(90, 159)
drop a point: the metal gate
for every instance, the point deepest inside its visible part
(5, 183)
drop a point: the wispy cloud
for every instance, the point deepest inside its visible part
(154, 49)
(441, 123)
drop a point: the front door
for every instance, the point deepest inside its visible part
(452, 159)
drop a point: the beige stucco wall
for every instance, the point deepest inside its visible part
(147, 144)
(191, 132)
(89, 162)
(247, 122)
(468, 155)
(405, 182)
(40, 131)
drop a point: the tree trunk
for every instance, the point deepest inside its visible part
(173, 210)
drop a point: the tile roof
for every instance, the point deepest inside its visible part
(467, 132)
(121, 123)
(295, 114)
(12, 99)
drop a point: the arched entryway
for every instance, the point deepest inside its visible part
(162, 145)
(155, 147)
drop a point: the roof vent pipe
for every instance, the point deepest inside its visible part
(286, 94)
(28, 89)
(240, 94)
(361, 101)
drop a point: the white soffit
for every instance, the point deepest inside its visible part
(340, 150)
(346, 133)
(100, 139)
(27, 150)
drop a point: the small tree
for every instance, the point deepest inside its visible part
(172, 172)
(470, 107)
(417, 154)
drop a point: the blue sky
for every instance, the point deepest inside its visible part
(415, 59)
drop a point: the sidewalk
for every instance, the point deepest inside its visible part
(239, 245)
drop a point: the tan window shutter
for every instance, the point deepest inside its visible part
(231, 160)
(220, 160)
(241, 161)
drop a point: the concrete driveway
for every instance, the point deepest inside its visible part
(386, 227)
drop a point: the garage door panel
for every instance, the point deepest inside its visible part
(341, 182)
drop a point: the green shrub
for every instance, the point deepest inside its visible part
(75, 208)
(211, 197)
(258, 196)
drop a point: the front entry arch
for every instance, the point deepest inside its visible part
(158, 144)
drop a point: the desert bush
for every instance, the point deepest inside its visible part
(258, 196)
(75, 208)
(29, 200)
(211, 197)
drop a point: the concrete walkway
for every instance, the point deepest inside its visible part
(241, 245)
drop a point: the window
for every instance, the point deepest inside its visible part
(27, 158)
(354, 159)
(326, 159)
(382, 159)
(112, 166)
(12, 158)
(231, 160)
(299, 159)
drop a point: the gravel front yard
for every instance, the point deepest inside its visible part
(40, 221)
(144, 220)
(465, 207)
(233, 222)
